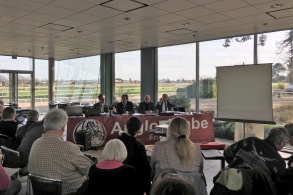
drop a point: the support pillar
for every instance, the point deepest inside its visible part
(51, 81)
(108, 76)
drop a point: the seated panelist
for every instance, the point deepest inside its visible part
(125, 106)
(146, 107)
(101, 104)
(164, 104)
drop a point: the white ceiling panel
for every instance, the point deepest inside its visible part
(18, 26)
(169, 18)
(85, 18)
(255, 2)
(151, 2)
(287, 20)
(123, 5)
(147, 23)
(41, 17)
(28, 22)
(212, 18)
(225, 5)
(266, 7)
(43, 1)
(187, 23)
(102, 12)
(55, 11)
(21, 4)
(226, 23)
(149, 12)
(282, 13)
(174, 5)
(242, 12)
(202, 28)
(201, 2)
(10, 11)
(7, 18)
(195, 12)
(71, 23)
(254, 18)
(74, 5)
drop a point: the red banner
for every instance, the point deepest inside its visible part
(104, 128)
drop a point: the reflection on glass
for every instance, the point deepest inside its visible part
(127, 76)
(78, 80)
(21, 63)
(4, 87)
(24, 91)
(176, 73)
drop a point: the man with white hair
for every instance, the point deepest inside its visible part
(52, 157)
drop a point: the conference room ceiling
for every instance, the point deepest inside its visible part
(66, 29)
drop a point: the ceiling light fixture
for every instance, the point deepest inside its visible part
(186, 24)
(26, 37)
(277, 5)
(131, 35)
(127, 19)
(264, 24)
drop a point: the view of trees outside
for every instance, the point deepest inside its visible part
(127, 76)
(41, 85)
(282, 92)
(176, 74)
(77, 80)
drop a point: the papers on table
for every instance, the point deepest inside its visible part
(11, 171)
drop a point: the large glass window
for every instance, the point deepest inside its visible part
(127, 76)
(223, 52)
(20, 63)
(41, 86)
(78, 80)
(270, 51)
(176, 74)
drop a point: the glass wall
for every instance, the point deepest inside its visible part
(78, 80)
(176, 74)
(41, 86)
(270, 51)
(222, 52)
(7, 63)
(127, 76)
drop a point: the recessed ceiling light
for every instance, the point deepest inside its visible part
(26, 37)
(264, 24)
(131, 35)
(277, 5)
(186, 24)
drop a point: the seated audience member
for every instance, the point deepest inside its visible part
(8, 126)
(284, 183)
(1, 110)
(32, 134)
(111, 176)
(8, 187)
(52, 157)
(102, 104)
(124, 107)
(164, 104)
(172, 185)
(146, 107)
(178, 152)
(136, 153)
(258, 154)
(32, 118)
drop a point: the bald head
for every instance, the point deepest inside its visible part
(147, 99)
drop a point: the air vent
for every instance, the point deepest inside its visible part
(56, 27)
(181, 31)
(123, 5)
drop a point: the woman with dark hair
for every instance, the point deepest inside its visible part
(136, 154)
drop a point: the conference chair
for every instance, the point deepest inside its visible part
(5, 141)
(10, 159)
(45, 186)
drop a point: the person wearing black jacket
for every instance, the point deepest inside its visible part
(136, 153)
(125, 106)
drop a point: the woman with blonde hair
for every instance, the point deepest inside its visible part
(177, 153)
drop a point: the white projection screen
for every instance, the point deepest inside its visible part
(244, 93)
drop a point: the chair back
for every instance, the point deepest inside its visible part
(45, 186)
(10, 158)
(5, 141)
